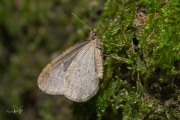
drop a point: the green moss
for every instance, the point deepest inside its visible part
(137, 85)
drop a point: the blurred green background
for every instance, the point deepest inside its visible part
(32, 33)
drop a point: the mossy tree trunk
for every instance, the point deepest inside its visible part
(142, 69)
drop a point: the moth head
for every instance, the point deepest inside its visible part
(92, 34)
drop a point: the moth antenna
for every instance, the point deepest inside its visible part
(82, 21)
(96, 24)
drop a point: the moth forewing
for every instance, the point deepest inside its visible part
(82, 82)
(98, 63)
(98, 58)
(51, 79)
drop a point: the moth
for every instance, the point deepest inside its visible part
(76, 72)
